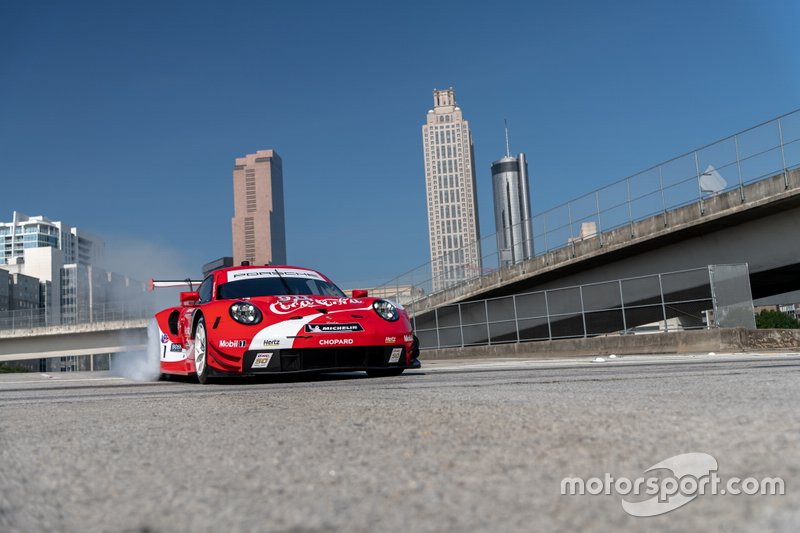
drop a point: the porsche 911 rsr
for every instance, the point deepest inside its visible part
(251, 320)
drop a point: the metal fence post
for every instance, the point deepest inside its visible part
(488, 329)
(663, 304)
(713, 296)
(599, 222)
(461, 325)
(436, 321)
(544, 218)
(661, 188)
(739, 168)
(699, 187)
(783, 157)
(547, 312)
(630, 208)
(622, 309)
(569, 215)
(516, 318)
(583, 310)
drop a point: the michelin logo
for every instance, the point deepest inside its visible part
(333, 328)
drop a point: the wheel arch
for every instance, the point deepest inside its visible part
(196, 320)
(172, 321)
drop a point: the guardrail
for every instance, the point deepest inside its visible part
(752, 155)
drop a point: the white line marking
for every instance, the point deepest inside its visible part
(56, 380)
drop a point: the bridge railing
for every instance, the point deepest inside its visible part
(715, 296)
(754, 154)
(42, 317)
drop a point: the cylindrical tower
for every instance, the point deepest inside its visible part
(512, 209)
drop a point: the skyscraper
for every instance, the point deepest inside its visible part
(512, 209)
(259, 234)
(453, 227)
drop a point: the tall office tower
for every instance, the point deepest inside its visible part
(453, 227)
(512, 209)
(259, 234)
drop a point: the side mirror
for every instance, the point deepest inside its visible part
(360, 293)
(189, 298)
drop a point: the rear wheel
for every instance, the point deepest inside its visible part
(384, 372)
(201, 351)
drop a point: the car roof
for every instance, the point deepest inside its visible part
(221, 273)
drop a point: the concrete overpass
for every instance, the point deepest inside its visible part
(77, 339)
(756, 224)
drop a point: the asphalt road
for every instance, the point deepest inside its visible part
(453, 447)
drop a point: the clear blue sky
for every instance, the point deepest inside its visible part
(124, 118)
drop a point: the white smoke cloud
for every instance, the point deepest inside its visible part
(144, 260)
(144, 365)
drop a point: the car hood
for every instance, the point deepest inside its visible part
(291, 305)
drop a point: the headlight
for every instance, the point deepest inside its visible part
(386, 309)
(245, 313)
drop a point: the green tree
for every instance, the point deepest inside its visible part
(776, 320)
(6, 368)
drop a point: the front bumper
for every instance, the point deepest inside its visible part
(338, 359)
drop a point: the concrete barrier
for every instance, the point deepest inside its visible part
(77, 339)
(729, 340)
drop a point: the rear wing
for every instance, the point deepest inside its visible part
(160, 283)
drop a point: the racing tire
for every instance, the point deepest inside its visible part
(201, 352)
(384, 372)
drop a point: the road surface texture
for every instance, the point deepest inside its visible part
(470, 446)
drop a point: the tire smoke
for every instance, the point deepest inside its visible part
(140, 365)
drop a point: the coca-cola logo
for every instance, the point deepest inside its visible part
(287, 304)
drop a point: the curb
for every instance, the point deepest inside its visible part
(732, 340)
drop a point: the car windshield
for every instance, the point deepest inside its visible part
(246, 288)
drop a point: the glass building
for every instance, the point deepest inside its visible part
(512, 209)
(25, 232)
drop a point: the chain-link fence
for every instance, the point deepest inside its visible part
(758, 153)
(714, 296)
(733, 300)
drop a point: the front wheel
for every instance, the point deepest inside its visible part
(384, 372)
(201, 351)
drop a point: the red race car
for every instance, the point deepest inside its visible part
(251, 320)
